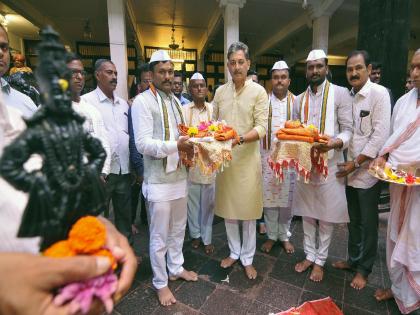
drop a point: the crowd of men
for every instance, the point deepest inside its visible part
(142, 141)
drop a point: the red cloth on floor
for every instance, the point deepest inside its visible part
(324, 306)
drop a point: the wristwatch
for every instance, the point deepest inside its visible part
(241, 140)
(356, 165)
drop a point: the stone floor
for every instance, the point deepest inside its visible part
(277, 287)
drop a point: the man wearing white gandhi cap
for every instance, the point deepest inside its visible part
(200, 187)
(157, 114)
(329, 108)
(277, 198)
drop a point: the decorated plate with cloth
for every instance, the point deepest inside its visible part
(396, 175)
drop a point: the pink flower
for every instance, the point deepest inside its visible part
(81, 294)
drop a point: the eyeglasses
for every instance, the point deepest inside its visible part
(74, 72)
(4, 47)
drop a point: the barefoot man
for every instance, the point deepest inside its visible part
(156, 114)
(371, 120)
(328, 107)
(277, 198)
(403, 237)
(243, 104)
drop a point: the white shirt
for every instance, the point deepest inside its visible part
(18, 100)
(279, 112)
(94, 125)
(115, 117)
(157, 148)
(371, 127)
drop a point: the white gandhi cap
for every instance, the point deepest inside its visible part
(197, 76)
(316, 54)
(280, 65)
(160, 55)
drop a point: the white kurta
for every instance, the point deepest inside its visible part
(403, 238)
(326, 200)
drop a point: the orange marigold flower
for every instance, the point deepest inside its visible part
(87, 235)
(105, 252)
(59, 249)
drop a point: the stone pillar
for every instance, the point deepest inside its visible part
(384, 29)
(320, 31)
(231, 26)
(118, 43)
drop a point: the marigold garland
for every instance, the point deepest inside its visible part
(60, 249)
(87, 235)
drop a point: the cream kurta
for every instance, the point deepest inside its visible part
(321, 200)
(239, 188)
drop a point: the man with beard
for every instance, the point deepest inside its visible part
(156, 115)
(403, 247)
(277, 198)
(93, 123)
(114, 111)
(243, 104)
(178, 86)
(200, 187)
(328, 107)
(12, 97)
(371, 120)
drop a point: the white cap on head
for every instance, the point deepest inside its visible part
(160, 55)
(197, 76)
(316, 54)
(280, 65)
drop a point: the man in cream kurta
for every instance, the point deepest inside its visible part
(322, 200)
(243, 104)
(277, 197)
(157, 114)
(401, 150)
(200, 187)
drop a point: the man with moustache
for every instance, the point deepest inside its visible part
(328, 107)
(156, 115)
(403, 247)
(114, 111)
(177, 87)
(93, 123)
(243, 104)
(277, 198)
(200, 187)
(371, 122)
(12, 97)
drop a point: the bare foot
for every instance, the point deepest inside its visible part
(288, 247)
(134, 229)
(227, 262)
(195, 243)
(303, 265)
(267, 246)
(166, 297)
(209, 249)
(384, 294)
(358, 282)
(342, 265)
(250, 272)
(317, 273)
(186, 275)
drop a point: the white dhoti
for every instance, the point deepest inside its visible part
(246, 251)
(167, 230)
(201, 211)
(277, 202)
(403, 247)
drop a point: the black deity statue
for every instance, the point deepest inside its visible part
(68, 185)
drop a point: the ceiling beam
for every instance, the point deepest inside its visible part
(133, 22)
(209, 33)
(318, 8)
(36, 17)
(285, 32)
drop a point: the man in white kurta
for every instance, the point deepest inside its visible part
(200, 187)
(243, 104)
(277, 197)
(402, 150)
(328, 107)
(156, 114)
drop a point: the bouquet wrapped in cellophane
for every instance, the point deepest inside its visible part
(212, 146)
